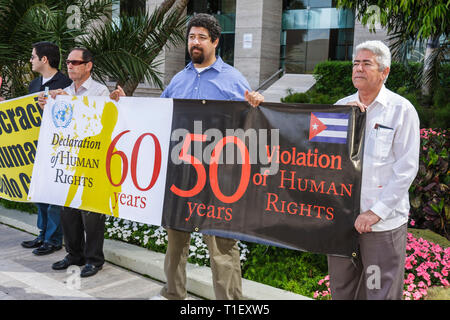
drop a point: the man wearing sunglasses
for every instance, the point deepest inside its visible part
(83, 230)
(79, 68)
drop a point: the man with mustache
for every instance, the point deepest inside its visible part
(205, 77)
(391, 162)
(83, 230)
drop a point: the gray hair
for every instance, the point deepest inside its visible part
(379, 49)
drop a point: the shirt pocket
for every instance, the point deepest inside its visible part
(379, 143)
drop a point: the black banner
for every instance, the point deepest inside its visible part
(287, 175)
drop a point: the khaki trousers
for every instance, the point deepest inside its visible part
(225, 266)
(377, 274)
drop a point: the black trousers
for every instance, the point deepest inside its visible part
(83, 236)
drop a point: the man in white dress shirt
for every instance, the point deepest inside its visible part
(83, 230)
(391, 161)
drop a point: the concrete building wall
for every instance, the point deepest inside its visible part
(257, 39)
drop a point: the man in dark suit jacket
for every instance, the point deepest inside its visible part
(45, 59)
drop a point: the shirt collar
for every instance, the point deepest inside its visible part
(217, 65)
(85, 85)
(382, 97)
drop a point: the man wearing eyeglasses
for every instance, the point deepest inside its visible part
(391, 162)
(45, 59)
(83, 230)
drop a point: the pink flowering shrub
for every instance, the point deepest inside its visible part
(427, 265)
(324, 292)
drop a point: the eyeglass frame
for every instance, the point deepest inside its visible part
(200, 38)
(76, 62)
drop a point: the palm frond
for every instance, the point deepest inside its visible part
(127, 50)
(27, 21)
(433, 62)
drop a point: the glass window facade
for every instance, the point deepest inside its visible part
(225, 13)
(314, 31)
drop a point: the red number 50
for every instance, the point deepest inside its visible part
(213, 168)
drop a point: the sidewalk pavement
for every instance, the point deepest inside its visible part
(26, 277)
(143, 262)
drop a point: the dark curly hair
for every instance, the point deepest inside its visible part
(206, 21)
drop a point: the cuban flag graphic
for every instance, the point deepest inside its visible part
(328, 127)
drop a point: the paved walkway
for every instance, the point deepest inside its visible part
(25, 276)
(294, 82)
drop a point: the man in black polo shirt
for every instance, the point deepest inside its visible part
(45, 59)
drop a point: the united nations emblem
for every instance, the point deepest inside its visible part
(62, 114)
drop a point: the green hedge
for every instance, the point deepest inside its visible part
(335, 77)
(334, 81)
(21, 206)
(430, 192)
(444, 76)
(286, 269)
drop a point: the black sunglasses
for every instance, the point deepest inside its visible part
(76, 62)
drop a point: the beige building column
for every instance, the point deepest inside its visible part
(362, 33)
(173, 58)
(172, 61)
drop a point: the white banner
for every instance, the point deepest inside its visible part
(98, 155)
